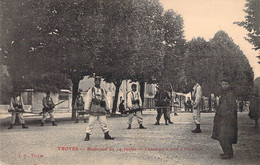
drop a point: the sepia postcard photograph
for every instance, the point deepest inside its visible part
(129, 82)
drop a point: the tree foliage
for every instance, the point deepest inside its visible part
(252, 22)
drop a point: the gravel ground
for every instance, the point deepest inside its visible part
(172, 144)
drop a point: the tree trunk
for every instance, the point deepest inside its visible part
(75, 88)
(117, 84)
(142, 88)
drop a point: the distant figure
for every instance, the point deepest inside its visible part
(79, 106)
(225, 120)
(48, 106)
(254, 108)
(241, 106)
(122, 109)
(16, 108)
(176, 104)
(188, 106)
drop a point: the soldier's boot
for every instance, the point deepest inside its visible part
(108, 137)
(85, 120)
(87, 137)
(54, 124)
(141, 126)
(175, 114)
(77, 121)
(129, 126)
(42, 124)
(157, 122)
(24, 127)
(166, 123)
(170, 122)
(197, 130)
(11, 126)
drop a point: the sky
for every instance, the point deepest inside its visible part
(203, 18)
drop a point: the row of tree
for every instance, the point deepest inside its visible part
(118, 40)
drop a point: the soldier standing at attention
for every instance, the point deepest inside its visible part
(48, 106)
(96, 103)
(133, 104)
(16, 108)
(196, 96)
(79, 106)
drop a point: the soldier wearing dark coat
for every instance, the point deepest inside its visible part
(225, 121)
(162, 101)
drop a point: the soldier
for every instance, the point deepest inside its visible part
(196, 96)
(48, 106)
(134, 104)
(162, 100)
(79, 106)
(96, 103)
(16, 108)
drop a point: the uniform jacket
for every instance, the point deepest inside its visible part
(16, 102)
(162, 98)
(225, 120)
(196, 95)
(79, 103)
(98, 94)
(47, 102)
(132, 97)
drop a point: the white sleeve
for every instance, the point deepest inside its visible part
(105, 98)
(198, 95)
(88, 99)
(129, 100)
(140, 100)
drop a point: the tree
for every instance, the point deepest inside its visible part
(252, 23)
(174, 46)
(207, 62)
(60, 36)
(232, 62)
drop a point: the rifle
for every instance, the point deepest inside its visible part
(46, 109)
(17, 111)
(133, 110)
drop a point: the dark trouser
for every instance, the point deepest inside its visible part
(226, 146)
(159, 114)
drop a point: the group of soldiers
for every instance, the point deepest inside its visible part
(96, 105)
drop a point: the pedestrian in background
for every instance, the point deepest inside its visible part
(79, 106)
(225, 120)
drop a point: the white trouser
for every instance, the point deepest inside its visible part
(45, 114)
(20, 117)
(138, 116)
(102, 120)
(196, 115)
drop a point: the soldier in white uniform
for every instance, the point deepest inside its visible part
(134, 104)
(16, 108)
(97, 105)
(196, 96)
